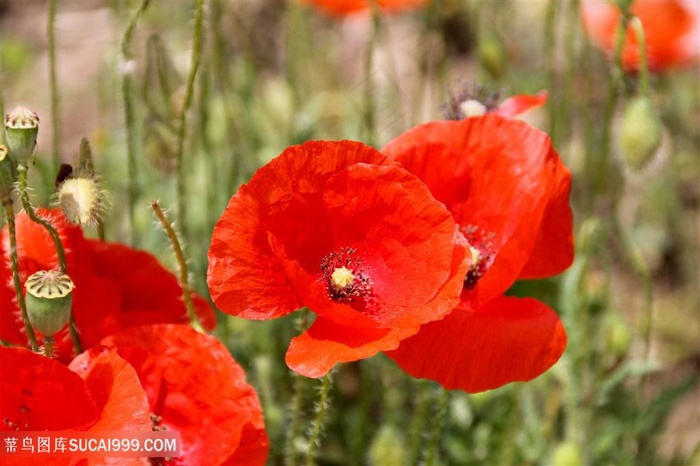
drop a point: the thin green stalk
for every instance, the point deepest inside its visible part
(290, 458)
(86, 163)
(369, 100)
(53, 84)
(182, 265)
(182, 129)
(418, 421)
(10, 214)
(320, 419)
(60, 252)
(26, 203)
(130, 119)
(638, 28)
(431, 452)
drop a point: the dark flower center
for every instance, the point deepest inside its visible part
(482, 249)
(343, 276)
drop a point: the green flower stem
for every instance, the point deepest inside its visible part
(636, 261)
(418, 420)
(638, 28)
(53, 84)
(369, 109)
(182, 264)
(320, 419)
(60, 252)
(182, 129)
(86, 163)
(130, 120)
(295, 423)
(10, 214)
(26, 203)
(433, 446)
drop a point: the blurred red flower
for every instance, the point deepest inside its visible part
(509, 194)
(116, 287)
(38, 393)
(194, 387)
(670, 26)
(346, 7)
(330, 227)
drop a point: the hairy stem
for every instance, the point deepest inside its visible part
(182, 264)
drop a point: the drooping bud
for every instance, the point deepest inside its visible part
(492, 56)
(8, 175)
(567, 453)
(82, 199)
(387, 447)
(49, 299)
(21, 130)
(640, 134)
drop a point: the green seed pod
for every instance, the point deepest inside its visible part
(567, 454)
(8, 175)
(387, 447)
(640, 134)
(49, 299)
(21, 129)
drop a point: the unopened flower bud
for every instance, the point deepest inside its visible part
(21, 129)
(567, 453)
(49, 299)
(82, 199)
(8, 175)
(492, 56)
(387, 447)
(640, 134)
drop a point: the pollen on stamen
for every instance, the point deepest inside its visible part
(343, 276)
(482, 249)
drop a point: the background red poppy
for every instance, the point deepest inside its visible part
(116, 286)
(503, 179)
(670, 26)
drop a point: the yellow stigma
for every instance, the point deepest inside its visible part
(342, 278)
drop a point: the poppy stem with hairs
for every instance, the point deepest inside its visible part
(182, 265)
(26, 203)
(432, 448)
(300, 382)
(319, 419)
(10, 214)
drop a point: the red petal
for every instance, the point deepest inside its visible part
(494, 173)
(554, 250)
(244, 276)
(508, 340)
(38, 393)
(194, 384)
(115, 388)
(324, 344)
(149, 293)
(347, 7)
(518, 104)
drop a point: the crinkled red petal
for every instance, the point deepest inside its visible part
(116, 390)
(197, 388)
(507, 340)
(493, 173)
(347, 7)
(284, 199)
(38, 393)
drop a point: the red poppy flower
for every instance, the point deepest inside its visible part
(38, 393)
(116, 287)
(508, 192)
(670, 27)
(346, 7)
(194, 387)
(325, 226)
